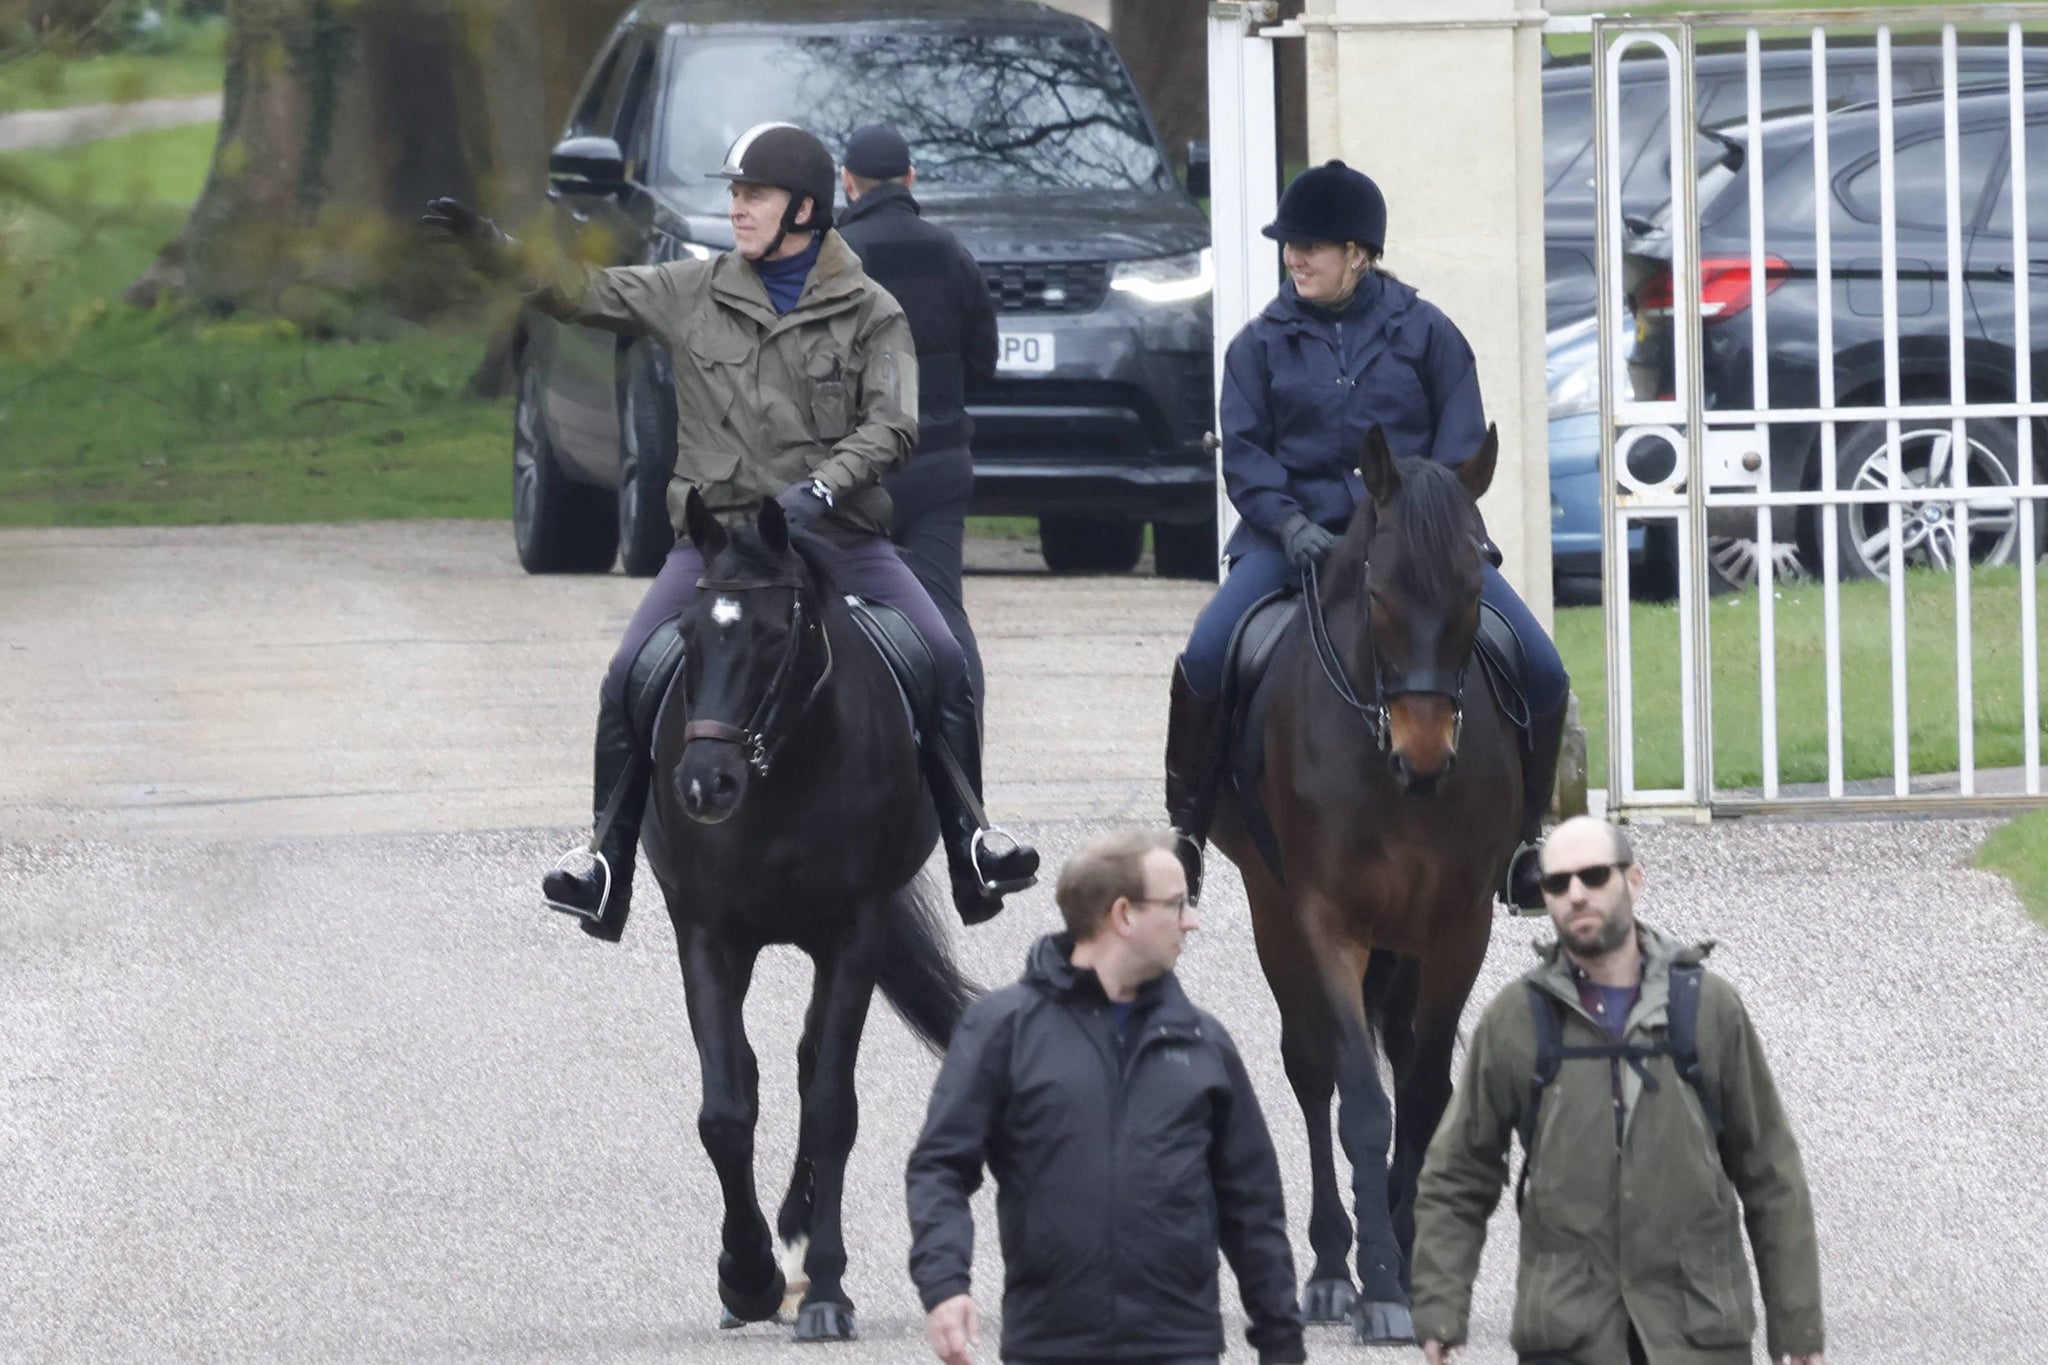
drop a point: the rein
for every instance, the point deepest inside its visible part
(1374, 713)
(765, 730)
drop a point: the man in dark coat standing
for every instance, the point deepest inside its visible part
(953, 322)
(1125, 1141)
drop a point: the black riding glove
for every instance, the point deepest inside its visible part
(484, 240)
(804, 504)
(1305, 542)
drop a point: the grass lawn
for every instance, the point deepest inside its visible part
(192, 66)
(2020, 851)
(113, 416)
(1802, 703)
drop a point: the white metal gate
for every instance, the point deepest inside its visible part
(1718, 439)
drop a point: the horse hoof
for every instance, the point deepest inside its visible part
(1382, 1324)
(825, 1321)
(1328, 1301)
(744, 1306)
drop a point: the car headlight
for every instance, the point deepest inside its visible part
(670, 247)
(1167, 279)
(1576, 391)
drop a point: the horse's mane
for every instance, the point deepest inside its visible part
(1433, 516)
(750, 554)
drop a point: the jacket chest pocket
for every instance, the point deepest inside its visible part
(830, 394)
(718, 362)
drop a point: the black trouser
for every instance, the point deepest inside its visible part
(931, 494)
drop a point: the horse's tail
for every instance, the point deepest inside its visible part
(919, 977)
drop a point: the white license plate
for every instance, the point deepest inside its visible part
(1025, 352)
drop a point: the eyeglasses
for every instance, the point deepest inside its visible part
(1594, 877)
(1177, 904)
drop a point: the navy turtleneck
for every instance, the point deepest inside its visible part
(784, 279)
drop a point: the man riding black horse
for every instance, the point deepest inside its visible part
(796, 380)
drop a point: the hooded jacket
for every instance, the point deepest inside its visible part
(1303, 385)
(1118, 1174)
(1648, 1232)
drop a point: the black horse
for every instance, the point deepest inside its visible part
(788, 807)
(1392, 786)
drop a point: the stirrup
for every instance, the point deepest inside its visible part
(563, 864)
(978, 844)
(1191, 852)
(1532, 848)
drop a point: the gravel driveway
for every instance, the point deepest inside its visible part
(297, 1069)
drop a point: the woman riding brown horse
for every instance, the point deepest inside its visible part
(1392, 788)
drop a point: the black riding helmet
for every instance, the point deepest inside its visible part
(1332, 203)
(788, 158)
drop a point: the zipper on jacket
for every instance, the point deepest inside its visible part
(1120, 1083)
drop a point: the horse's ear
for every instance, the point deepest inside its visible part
(773, 524)
(1376, 466)
(1477, 473)
(701, 526)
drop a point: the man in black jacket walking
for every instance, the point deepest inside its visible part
(1125, 1141)
(953, 322)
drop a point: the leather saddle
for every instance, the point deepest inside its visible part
(1247, 694)
(910, 659)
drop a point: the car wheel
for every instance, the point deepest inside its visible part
(1733, 562)
(1929, 535)
(559, 526)
(647, 456)
(1183, 550)
(1090, 544)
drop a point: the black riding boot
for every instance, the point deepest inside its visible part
(600, 899)
(1193, 731)
(1539, 777)
(982, 872)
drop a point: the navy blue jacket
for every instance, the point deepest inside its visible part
(1119, 1173)
(1301, 387)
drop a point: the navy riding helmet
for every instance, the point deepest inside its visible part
(1332, 203)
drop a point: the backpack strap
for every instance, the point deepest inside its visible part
(1549, 1030)
(1683, 1023)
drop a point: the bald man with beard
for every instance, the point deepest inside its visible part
(1631, 1234)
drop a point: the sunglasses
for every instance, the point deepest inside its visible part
(1594, 877)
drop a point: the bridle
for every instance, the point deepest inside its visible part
(1435, 681)
(773, 718)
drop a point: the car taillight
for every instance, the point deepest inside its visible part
(1724, 287)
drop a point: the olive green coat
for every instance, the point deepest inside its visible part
(826, 391)
(1650, 1232)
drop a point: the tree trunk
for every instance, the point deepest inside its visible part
(342, 117)
(1165, 43)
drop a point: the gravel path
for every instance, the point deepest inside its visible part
(304, 1073)
(90, 122)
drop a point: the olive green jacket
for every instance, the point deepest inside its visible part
(1648, 1233)
(826, 391)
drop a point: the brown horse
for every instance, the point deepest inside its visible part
(1393, 792)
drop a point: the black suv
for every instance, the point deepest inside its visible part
(1031, 144)
(1793, 360)
(1721, 96)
